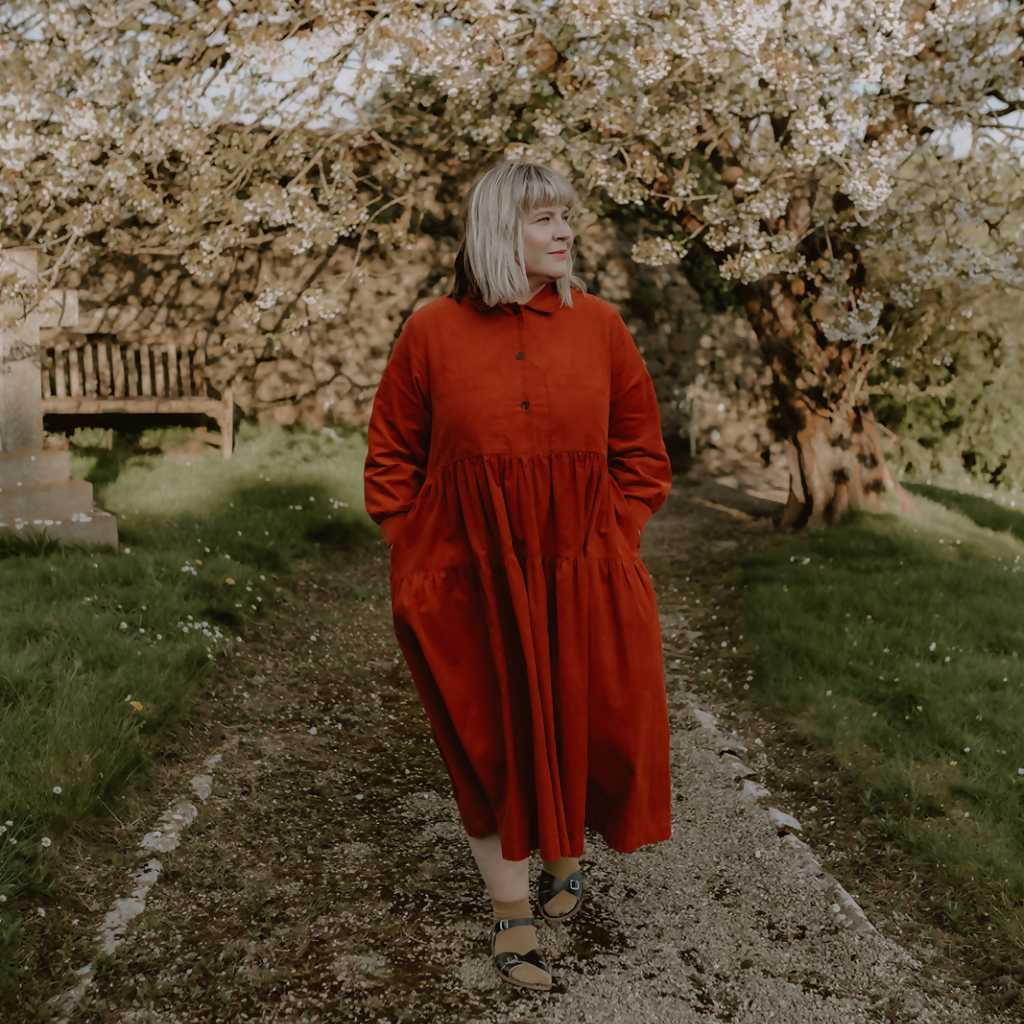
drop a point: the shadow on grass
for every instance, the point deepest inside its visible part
(107, 464)
(274, 502)
(982, 511)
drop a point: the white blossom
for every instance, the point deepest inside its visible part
(763, 130)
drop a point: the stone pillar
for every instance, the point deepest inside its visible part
(37, 493)
(21, 413)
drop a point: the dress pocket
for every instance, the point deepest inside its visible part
(403, 526)
(625, 515)
(400, 538)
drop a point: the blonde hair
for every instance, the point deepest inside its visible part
(490, 265)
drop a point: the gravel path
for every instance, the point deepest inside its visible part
(326, 878)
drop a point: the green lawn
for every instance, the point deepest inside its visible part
(85, 636)
(898, 645)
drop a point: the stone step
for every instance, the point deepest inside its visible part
(92, 527)
(48, 501)
(24, 468)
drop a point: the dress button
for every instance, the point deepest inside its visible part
(520, 355)
(524, 405)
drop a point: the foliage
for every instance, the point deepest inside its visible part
(952, 400)
(83, 634)
(785, 137)
(898, 646)
(92, 437)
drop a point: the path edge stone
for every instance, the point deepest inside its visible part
(163, 838)
(848, 912)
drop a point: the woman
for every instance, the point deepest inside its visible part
(515, 455)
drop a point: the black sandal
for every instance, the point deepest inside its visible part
(548, 887)
(508, 962)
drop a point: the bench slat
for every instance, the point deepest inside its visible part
(94, 406)
(132, 366)
(186, 372)
(146, 370)
(73, 373)
(117, 355)
(159, 383)
(103, 375)
(60, 354)
(199, 367)
(173, 390)
(89, 370)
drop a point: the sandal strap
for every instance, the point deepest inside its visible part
(515, 922)
(550, 886)
(508, 962)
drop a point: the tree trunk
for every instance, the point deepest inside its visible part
(833, 448)
(835, 463)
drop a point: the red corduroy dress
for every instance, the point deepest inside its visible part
(515, 454)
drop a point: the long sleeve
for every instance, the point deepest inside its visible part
(399, 436)
(637, 459)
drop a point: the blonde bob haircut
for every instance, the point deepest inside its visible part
(490, 265)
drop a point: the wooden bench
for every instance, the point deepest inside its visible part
(88, 377)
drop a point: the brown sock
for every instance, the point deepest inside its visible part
(561, 869)
(520, 939)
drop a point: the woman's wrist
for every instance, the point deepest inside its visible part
(392, 527)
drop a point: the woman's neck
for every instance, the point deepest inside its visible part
(536, 289)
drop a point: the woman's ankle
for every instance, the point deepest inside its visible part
(519, 938)
(511, 910)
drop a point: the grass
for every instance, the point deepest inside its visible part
(897, 645)
(982, 511)
(103, 653)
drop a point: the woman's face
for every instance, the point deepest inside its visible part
(547, 239)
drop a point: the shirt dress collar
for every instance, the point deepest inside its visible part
(545, 302)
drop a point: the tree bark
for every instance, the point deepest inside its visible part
(834, 452)
(835, 463)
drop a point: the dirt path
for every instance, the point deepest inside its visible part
(326, 877)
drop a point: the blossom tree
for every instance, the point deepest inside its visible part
(833, 157)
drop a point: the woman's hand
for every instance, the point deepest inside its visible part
(392, 528)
